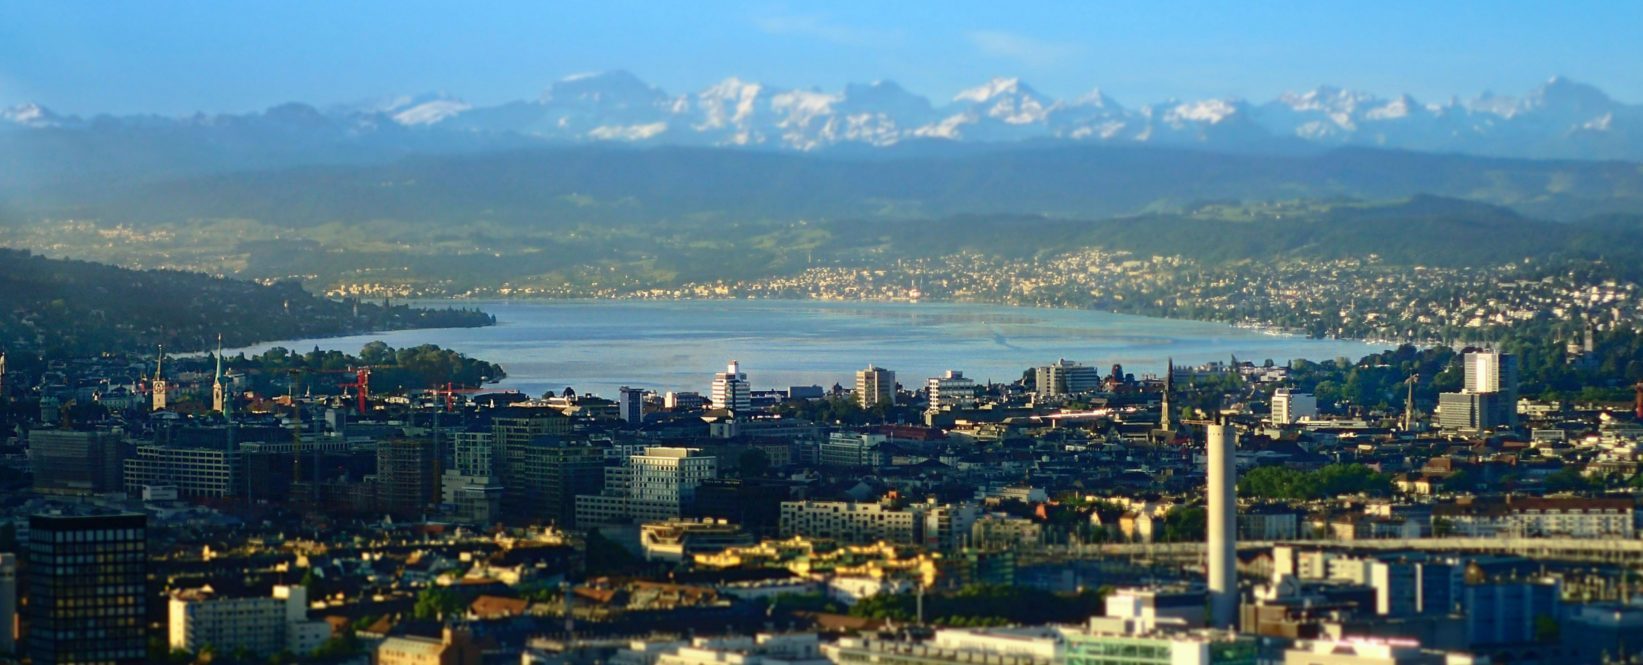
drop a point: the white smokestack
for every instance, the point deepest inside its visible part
(1222, 527)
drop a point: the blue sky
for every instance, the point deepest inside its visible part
(180, 57)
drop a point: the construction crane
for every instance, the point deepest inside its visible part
(361, 386)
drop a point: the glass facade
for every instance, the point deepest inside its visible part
(87, 585)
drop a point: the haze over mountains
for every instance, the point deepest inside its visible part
(1560, 119)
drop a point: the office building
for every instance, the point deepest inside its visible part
(1289, 407)
(655, 485)
(683, 401)
(261, 625)
(853, 450)
(211, 472)
(530, 480)
(875, 386)
(1064, 377)
(67, 461)
(406, 484)
(951, 391)
(1505, 613)
(544, 483)
(630, 405)
(1488, 396)
(87, 586)
(731, 390)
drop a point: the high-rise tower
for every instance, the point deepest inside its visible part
(730, 390)
(1222, 440)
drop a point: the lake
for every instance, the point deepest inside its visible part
(597, 346)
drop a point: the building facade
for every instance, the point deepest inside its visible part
(88, 589)
(875, 386)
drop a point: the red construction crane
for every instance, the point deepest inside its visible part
(361, 386)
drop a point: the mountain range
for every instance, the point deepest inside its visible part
(1560, 119)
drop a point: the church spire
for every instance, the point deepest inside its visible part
(1164, 420)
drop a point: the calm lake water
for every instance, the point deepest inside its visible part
(597, 346)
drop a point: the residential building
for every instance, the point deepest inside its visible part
(262, 625)
(1567, 517)
(938, 527)
(875, 386)
(87, 581)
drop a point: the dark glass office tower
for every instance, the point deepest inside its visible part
(86, 581)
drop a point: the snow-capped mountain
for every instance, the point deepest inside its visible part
(1559, 119)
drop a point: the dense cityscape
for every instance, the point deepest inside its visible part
(277, 509)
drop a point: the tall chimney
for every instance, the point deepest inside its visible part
(1222, 525)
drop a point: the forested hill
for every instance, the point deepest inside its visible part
(54, 306)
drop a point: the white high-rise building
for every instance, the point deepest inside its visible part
(731, 391)
(875, 386)
(1291, 407)
(952, 391)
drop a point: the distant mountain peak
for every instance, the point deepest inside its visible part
(1560, 118)
(30, 114)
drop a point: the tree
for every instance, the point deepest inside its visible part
(753, 463)
(437, 603)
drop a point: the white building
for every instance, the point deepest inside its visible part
(731, 390)
(763, 649)
(875, 386)
(1290, 407)
(935, 526)
(263, 626)
(1529, 517)
(1064, 377)
(951, 391)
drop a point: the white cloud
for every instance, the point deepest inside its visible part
(1023, 49)
(824, 28)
